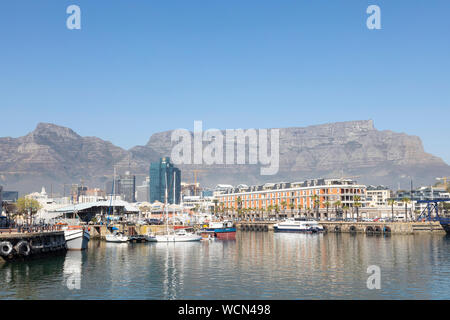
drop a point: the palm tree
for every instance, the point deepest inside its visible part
(277, 210)
(283, 206)
(292, 206)
(315, 202)
(327, 204)
(357, 204)
(299, 207)
(215, 201)
(391, 203)
(269, 210)
(239, 204)
(346, 207)
(406, 200)
(337, 204)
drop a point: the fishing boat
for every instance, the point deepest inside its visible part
(222, 230)
(77, 237)
(298, 225)
(179, 235)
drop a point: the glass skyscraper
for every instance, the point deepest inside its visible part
(158, 172)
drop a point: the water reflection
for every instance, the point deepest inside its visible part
(257, 265)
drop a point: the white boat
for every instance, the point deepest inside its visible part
(116, 237)
(150, 237)
(77, 237)
(294, 225)
(179, 236)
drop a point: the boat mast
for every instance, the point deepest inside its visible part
(174, 202)
(166, 208)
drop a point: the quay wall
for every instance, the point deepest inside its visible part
(356, 227)
(25, 245)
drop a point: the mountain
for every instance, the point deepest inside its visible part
(52, 156)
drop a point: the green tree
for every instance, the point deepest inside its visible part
(406, 200)
(28, 207)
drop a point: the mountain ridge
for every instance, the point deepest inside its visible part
(53, 155)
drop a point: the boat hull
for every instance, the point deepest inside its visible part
(222, 233)
(77, 239)
(115, 239)
(178, 238)
(293, 230)
(445, 223)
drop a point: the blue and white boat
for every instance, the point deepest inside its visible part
(297, 225)
(223, 230)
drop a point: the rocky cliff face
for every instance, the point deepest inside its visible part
(54, 155)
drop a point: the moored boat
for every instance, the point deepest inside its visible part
(117, 237)
(77, 237)
(445, 223)
(180, 235)
(223, 230)
(297, 225)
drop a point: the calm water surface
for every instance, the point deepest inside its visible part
(257, 265)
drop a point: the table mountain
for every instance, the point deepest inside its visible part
(52, 155)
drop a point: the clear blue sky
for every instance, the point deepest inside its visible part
(139, 67)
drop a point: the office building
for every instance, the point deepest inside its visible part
(159, 173)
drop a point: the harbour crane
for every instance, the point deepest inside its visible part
(445, 180)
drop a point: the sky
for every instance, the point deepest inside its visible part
(143, 66)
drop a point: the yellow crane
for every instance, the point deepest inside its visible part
(196, 171)
(445, 180)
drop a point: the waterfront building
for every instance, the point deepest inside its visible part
(76, 191)
(198, 203)
(422, 193)
(311, 197)
(377, 196)
(125, 187)
(158, 173)
(221, 188)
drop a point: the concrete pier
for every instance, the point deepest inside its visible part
(20, 246)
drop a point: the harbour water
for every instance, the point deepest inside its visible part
(257, 265)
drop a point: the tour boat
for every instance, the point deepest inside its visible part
(223, 230)
(294, 225)
(116, 237)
